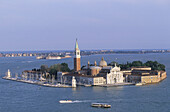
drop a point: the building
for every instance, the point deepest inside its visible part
(115, 76)
(144, 75)
(66, 78)
(77, 60)
(53, 57)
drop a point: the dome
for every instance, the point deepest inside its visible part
(103, 63)
(95, 70)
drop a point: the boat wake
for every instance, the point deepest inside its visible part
(26, 61)
(76, 101)
(83, 101)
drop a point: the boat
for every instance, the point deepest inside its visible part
(87, 85)
(66, 101)
(42, 79)
(139, 84)
(101, 105)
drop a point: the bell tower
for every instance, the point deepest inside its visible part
(77, 62)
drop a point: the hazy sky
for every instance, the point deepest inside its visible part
(98, 24)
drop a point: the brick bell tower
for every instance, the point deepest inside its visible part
(77, 62)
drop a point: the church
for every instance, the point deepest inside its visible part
(92, 75)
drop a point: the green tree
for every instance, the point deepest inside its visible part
(83, 67)
(64, 67)
(44, 68)
(137, 63)
(54, 69)
(162, 67)
(113, 63)
(153, 64)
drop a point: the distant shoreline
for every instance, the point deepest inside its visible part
(83, 53)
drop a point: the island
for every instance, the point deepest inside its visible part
(102, 74)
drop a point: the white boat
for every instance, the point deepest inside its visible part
(101, 105)
(66, 101)
(139, 84)
(87, 85)
(42, 79)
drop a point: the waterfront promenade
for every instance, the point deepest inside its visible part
(117, 84)
(40, 83)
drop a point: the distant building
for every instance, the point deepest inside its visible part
(53, 57)
(144, 75)
(24, 54)
(1, 55)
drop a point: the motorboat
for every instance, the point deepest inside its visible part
(42, 79)
(139, 84)
(101, 105)
(87, 85)
(66, 101)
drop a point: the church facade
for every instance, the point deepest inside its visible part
(115, 76)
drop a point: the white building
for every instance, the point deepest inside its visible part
(73, 82)
(115, 76)
(8, 74)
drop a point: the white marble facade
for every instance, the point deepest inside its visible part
(115, 76)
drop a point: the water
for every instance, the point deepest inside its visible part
(22, 97)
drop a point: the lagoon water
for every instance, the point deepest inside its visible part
(22, 97)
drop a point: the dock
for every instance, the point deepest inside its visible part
(38, 83)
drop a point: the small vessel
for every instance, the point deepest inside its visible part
(42, 79)
(139, 84)
(101, 105)
(87, 85)
(66, 101)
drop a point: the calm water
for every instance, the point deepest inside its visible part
(21, 97)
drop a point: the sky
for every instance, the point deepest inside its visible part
(97, 24)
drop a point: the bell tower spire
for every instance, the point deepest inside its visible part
(77, 46)
(77, 62)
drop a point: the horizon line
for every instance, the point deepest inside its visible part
(80, 50)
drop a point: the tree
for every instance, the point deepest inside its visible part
(64, 67)
(113, 63)
(54, 69)
(44, 68)
(83, 67)
(137, 63)
(153, 64)
(162, 67)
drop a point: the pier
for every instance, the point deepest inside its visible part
(36, 81)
